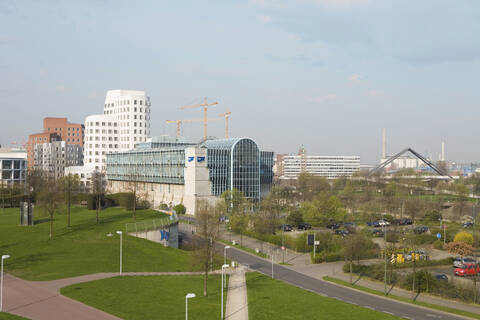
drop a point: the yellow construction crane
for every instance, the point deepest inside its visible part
(205, 106)
(226, 115)
(179, 122)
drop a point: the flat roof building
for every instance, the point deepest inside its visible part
(330, 167)
(172, 171)
(13, 166)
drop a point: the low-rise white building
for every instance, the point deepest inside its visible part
(13, 165)
(324, 166)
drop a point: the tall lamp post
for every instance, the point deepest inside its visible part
(5, 256)
(223, 281)
(225, 258)
(120, 233)
(188, 296)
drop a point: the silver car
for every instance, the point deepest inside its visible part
(459, 262)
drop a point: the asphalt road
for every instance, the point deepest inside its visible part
(285, 274)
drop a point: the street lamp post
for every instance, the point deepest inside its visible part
(223, 281)
(188, 296)
(5, 256)
(120, 233)
(225, 257)
(225, 254)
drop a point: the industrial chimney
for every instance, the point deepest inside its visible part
(384, 143)
(443, 151)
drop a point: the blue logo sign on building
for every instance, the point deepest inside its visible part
(200, 159)
(190, 159)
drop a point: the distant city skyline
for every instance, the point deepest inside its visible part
(325, 74)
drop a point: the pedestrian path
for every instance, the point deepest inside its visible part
(41, 300)
(237, 303)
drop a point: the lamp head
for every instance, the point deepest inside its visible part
(119, 232)
(5, 256)
(190, 295)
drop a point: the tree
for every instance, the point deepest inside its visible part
(464, 237)
(309, 185)
(295, 218)
(207, 220)
(356, 246)
(50, 197)
(70, 184)
(99, 184)
(180, 209)
(462, 192)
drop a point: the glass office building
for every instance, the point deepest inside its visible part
(235, 163)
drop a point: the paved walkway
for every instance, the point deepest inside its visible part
(42, 300)
(237, 303)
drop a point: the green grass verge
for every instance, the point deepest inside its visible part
(273, 299)
(9, 316)
(84, 248)
(418, 303)
(249, 250)
(151, 297)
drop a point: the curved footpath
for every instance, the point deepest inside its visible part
(41, 300)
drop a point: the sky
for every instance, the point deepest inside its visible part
(325, 74)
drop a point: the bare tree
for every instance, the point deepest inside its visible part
(99, 184)
(50, 197)
(70, 184)
(207, 219)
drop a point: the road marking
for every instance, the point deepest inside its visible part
(408, 318)
(388, 313)
(370, 308)
(433, 315)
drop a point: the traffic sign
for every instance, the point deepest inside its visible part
(317, 242)
(439, 236)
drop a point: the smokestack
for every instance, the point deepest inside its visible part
(384, 143)
(443, 151)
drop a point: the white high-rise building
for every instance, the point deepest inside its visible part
(330, 167)
(124, 123)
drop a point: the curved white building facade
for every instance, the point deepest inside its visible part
(124, 123)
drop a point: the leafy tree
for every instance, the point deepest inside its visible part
(459, 248)
(462, 192)
(309, 185)
(356, 246)
(295, 218)
(464, 237)
(70, 184)
(180, 209)
(207, 220)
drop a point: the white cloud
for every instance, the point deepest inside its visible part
(323, 99)
(264, 19)
(355, 78)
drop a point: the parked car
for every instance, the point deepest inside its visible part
(468, 269)
(458, 262)
(467, 224)
(333, 225)
(304, 226)
(373, 224)
(378, 232)
(287, 227)
(342, 232)
(405, 222)
(421, 229)
(441, 277)
(383, 223)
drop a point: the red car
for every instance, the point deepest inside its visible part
(468, 269)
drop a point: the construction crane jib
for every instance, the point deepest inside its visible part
(226, 115)
(205, 106)
(180, 122)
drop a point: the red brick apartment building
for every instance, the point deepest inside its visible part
(54, 129)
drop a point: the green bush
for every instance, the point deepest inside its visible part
(438, 244)
(425, 238)
(163, 206)
(180, 209)
(122, 199)
(323, 256)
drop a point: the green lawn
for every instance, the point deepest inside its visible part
(8, 316)
(84, 248)
(274, 299)
(151, 297)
